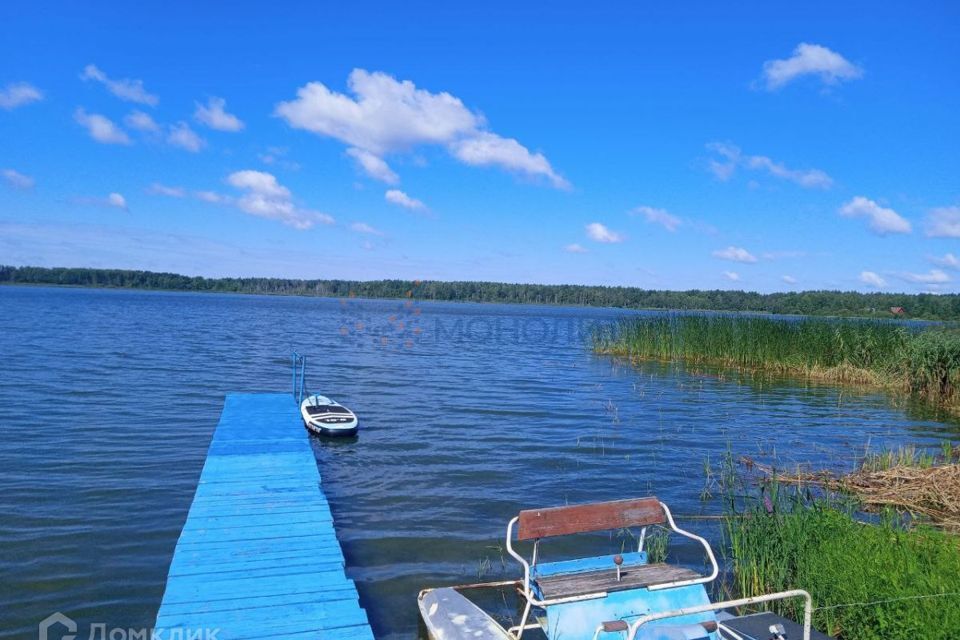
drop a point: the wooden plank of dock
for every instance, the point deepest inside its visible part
(258, 556)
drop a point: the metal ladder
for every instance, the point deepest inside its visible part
(299, 377)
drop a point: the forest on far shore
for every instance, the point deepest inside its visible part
(814, 303)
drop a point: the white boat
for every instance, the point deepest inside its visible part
(327, 417)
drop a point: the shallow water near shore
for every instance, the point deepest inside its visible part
(468, 413)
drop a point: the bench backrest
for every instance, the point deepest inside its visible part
(583, 518)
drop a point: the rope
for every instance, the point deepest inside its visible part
(876, 602)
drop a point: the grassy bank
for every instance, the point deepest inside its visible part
(920, 361)
(878, 581)
(894, 577)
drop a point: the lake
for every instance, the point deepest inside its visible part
(468, 413)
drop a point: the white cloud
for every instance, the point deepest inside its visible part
(400, 198)
(16, 179)
(18, 94)
(735, 254)
(385, 116)
(158, 189)
(125, 89)
(373, 165)
(574, 248)
(485, 148)
(882, 220)
(934, 276)
(789, 279)
(363, 227)
(264, 197)
(943, 222)
(181, 135)
(807, 178)
(731, 157)
(210, 196)
(141, 122)
(600, 233)
(662, 217)
(723, 169)
(949, 261)
(733, 276)
(101, 128)
(872, 279)
(215, 116)
(117, 200)
(113, 200)
(809, 59)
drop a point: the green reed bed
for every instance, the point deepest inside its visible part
(868, 581)
(922, 361)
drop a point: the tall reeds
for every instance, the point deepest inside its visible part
(925, 362)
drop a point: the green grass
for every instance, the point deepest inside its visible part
(868, 581)
(924, 362)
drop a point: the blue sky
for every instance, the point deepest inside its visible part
(753, 145)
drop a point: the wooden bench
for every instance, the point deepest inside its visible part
(534, 524)
(605, 580)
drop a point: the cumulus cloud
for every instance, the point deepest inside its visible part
(733, 276)
(385, 115)
(18, 94)
(16, 179)
(789, 279)
(735, 254)
(809, 60)
(125, 89)
(872, 279)
(943, 222)
(265, 197)
(600, 233)
(574, 248)
(363, 227)
(661, 217)
(141, 121)
(882, 221)
(731, 157)
(182, 136)
(373, 165)
(399, 198)
(948, 261)
(157, 189)
(215, 116)
(101, 128)
(485, 149)
(934, 276)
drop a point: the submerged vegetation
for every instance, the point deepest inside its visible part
(924, 361)
(815, 303)
(888, 577)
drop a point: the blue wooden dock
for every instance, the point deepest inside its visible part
(258, 556)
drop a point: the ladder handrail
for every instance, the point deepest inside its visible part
(299, 391)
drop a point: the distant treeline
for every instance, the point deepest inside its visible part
(821, 303)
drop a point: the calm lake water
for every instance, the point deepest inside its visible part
(469, 413)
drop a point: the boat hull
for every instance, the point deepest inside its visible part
(332, 432)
